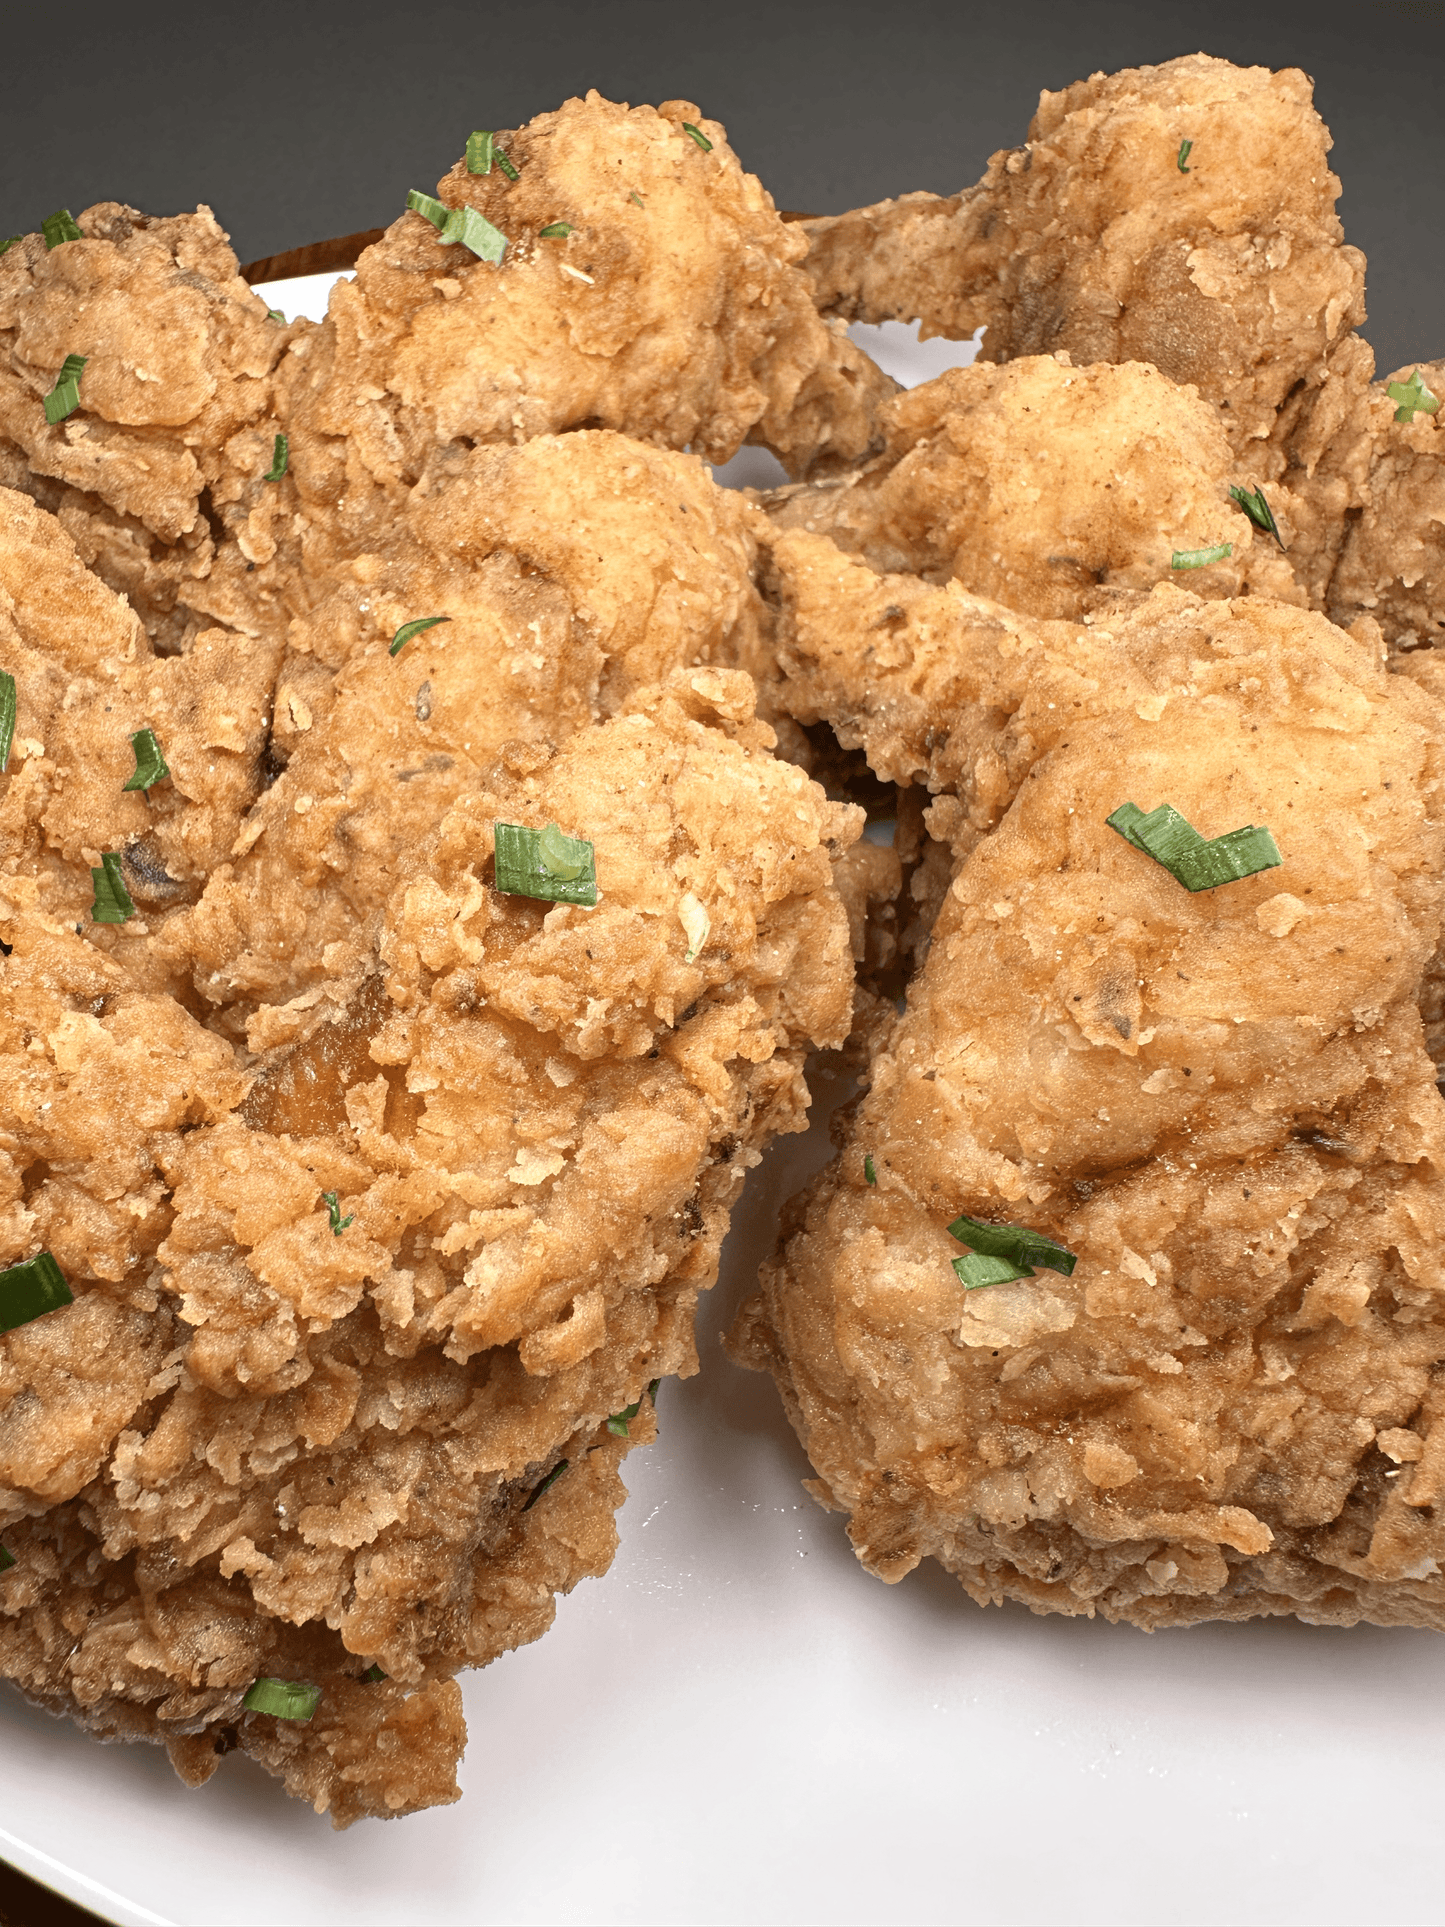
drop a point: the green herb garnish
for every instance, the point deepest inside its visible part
(64, 397)
(1257, 509)
(58, 227)
(1200, 558)
(338, 1223)
(409, 629)
(280, 455)
(1185, 148)
(637, 200)
(545, 864)
(31, 1289)
(698, 135)
(7, 1560)
(1197, 862)
(558, 231)
(150, 765)
(512, 172)
(551, 1479)
(373, 1674)
(652, 1385)
(7, 717)
(1000, 1252)
(479, 152)
(5, 246)
(284, 1699)
(112, 899)
(460, 226)
(870, 1175)
(275, 314)
(1413, 396)
(618, 1422)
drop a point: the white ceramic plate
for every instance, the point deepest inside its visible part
(739, 1725)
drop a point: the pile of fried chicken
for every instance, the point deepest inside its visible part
(382, 1194)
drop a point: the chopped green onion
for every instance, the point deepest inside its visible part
(652, 1385)
(977, 1269)
(870, 1174)
(373, 1674)
(1200, 558)
(1014, 1244)
(7, 717)
(280, 455)
(551, 1479)
(1195, 861)
(617, 1424)
(7, 1560)
(1413, 396)
(409, 629)
(275, 314)
(1185, 148)
(428, 206)
(58, 227)
(64, 397)
(545, 864)
(479, 152)
(636, 199)
(5, 246)
(558, 231)
(696, 923)
(31, 1289)
(112, 899)
(338, 1223)
(150, 765)
(284, 1699)
(1257, 509)
(698, 135)
(508, 168)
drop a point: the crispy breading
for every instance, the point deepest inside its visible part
(1228, 271)
(1221, 1104)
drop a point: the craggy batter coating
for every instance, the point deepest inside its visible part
(252, 1446)
(1221, 1104)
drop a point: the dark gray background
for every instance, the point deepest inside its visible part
(301, 119)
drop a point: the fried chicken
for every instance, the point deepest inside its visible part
(1220, 1103)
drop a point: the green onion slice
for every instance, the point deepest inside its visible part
(428, 206)
(1185, 148)
(977, 1269)
(1257, 509)
(551, 1479)
(1413, 396)
(150, 765)
(7, 1560)
(617, 1424)
(31, 1289)
(1200, 558)
(558, 231)
(479, 152)
(280, 455)
(545, 864)
(7, 717)
(464, 227)
(64, 397)
(1012, 1244)
(637, 200)
(59, 226)
(698, 135)
(509, 168)
(5, 247)
(870, 1173)
(275, 314)
(373, 1674)
(652, 1385)
(1195, 861)
(112, 899)
(284, 1699)
(409, 629)
(338, 1223)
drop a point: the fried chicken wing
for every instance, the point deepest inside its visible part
(1219, 1102)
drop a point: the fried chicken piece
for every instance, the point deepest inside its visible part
(175, 406)
(672, 309)
(348, 1297)
(1224, 266)
(1045, 487)
(1220, 1103)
